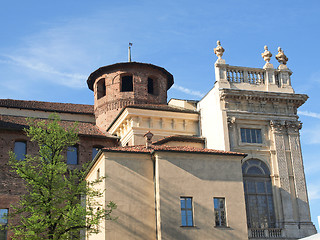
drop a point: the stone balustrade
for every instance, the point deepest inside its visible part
(258, 79)
(265, 233)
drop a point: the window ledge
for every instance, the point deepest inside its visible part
(222, 227)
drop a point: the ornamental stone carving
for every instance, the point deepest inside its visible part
(293, 126)
(281, 57)
(277, 126)
(231, 121)
(266, 54)
(219, 50)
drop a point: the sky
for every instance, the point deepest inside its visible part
(49, 48)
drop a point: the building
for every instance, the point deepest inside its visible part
(226, 167)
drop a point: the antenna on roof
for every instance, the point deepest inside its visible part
(129, 52)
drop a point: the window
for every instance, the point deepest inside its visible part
(95, 150)
(101, 88)
(98, 173)
(3, 223)
(258, 194)
(20, 149)
(251, 135)
(126, 84)
(220, 212)
(150, 86)
(72, 155)
(186, 212)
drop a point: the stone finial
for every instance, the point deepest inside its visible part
(219, 50)
(281, 57)
(266, 54)
(148, 137)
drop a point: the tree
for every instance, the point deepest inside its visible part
(58, 203)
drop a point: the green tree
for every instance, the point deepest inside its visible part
(58, 203)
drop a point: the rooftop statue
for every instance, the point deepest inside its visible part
(281, 57)
(266, 54)
(219, 50)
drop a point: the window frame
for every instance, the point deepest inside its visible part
(76, 147)
(186, 209)
(5, 231)
(219, 211)
(254, 179)
(252, 132)
(99, 147)
(25, 149)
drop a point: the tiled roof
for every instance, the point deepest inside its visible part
(180, 138)
(162, 107)
(143, 149)
(100, 71)
(19, 123)
(47, 106)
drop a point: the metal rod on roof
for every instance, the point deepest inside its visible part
(129, 52)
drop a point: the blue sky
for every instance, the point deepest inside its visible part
(49, 48)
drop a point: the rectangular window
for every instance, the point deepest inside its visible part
(72, 155)
(20, 149)
(219, 212)
(251, 135)
(186, 212)
(127, 84)
(95, 150)
(3, 223)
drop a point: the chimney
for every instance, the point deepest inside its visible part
(148, 137)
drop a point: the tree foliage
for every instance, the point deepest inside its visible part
(58, 203)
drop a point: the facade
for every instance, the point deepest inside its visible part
(226, 167)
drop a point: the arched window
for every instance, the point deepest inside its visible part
(101, 88)
(258, 194)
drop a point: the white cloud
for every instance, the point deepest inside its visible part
(313, 191)
(309, 114)
(188, 91)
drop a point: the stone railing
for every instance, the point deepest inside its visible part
(265, 233)
(248, 75)
(259, 79)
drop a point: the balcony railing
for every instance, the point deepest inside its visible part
(245, 75)
(265, 233)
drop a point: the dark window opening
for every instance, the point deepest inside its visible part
(72, 155)
(126, 84)
(150, 86)
(20, 149)
(101, 88)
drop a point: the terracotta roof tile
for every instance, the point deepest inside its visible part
(162, 107)
(180, 138)
(19, 123)
(48, 106)
(143, 149)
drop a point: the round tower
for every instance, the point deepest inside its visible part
(122, 84)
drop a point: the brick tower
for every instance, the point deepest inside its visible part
(128, 83)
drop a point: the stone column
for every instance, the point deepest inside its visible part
(279, 132)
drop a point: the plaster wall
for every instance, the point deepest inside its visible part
(129, 184)
(213, 121)
(202, 177)
(44, 114)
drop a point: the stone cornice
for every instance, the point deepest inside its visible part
(296, 99)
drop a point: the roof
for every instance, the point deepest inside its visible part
(180, 138)
(48, 106)
(102, 70)
(85, 129)
(158, 107)
(164, 148)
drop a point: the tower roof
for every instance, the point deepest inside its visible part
(102, 70)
